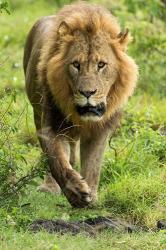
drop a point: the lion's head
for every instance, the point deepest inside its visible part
(88, 70)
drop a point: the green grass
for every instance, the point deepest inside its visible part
(107, 241)
(133, 178)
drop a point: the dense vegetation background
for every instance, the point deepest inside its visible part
(133, 181)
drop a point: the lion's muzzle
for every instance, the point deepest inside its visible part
(89, 110)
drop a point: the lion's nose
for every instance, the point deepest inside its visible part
(87, 93)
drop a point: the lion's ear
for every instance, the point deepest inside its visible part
(64, 29)
(124, 38)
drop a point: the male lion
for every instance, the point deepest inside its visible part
(78, 76)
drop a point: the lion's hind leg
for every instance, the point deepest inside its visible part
(74, 152)
(49, 185)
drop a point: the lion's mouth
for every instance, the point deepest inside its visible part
(88, 109)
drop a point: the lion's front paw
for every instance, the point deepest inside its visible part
(77, 190)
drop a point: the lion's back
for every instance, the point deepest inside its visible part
(32, 53)
(36, 37)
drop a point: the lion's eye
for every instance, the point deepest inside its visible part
(76, 65)
(101, 65)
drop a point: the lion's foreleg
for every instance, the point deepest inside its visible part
(72, 184)
(92, 150)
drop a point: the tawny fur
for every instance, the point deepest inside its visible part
(85, 17)
(47, 60)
